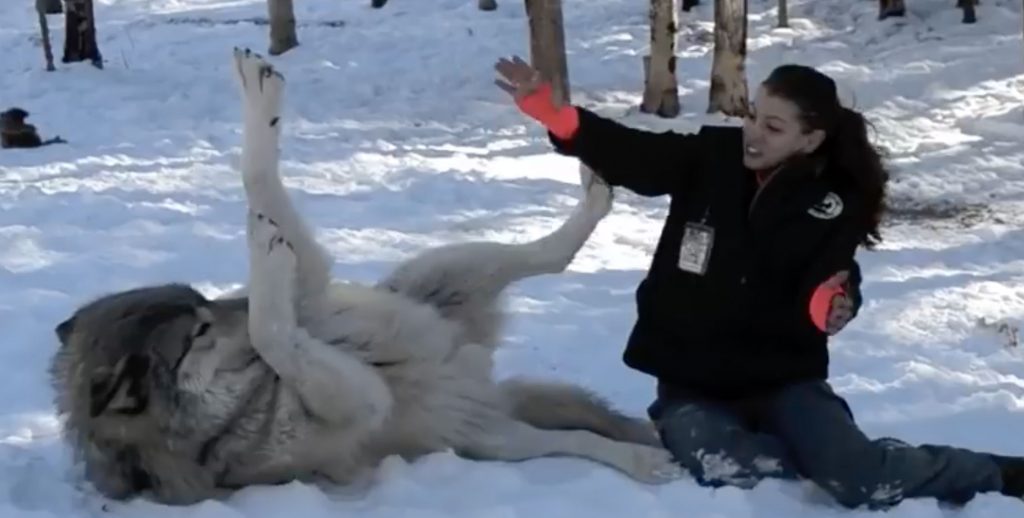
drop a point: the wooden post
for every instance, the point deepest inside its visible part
(43, 8)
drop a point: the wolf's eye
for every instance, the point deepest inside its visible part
(202, 330)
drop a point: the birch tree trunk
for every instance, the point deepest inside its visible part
(547, 45)
(661, 91)
(728, 69)
(282, 26)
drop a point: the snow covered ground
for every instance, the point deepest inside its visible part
(396, 139)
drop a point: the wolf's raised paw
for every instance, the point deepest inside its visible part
(262, 86)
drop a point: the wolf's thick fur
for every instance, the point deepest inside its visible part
(298, 376)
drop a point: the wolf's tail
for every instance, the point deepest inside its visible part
(564, 406)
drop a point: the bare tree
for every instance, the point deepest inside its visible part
(43, 8)
(282, 26)
(661, 91)
(887, 8)
(80, 33)
(970, 16)
(547, 45)
(783, 13)
(728, 93)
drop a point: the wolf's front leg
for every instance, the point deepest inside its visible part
(333, 385)
(262, 90)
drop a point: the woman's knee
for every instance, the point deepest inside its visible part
(687, 430)
(716, 449)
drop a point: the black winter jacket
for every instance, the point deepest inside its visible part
(744, 326)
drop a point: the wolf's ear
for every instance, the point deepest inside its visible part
(64, 330)
(122, 390)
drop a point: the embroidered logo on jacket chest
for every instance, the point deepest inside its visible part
(828, 208)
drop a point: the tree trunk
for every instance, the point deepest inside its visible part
(887, 8)
(783, 13)
(50, 6)
(969, 14)
(44, 7)
(282, 26)
(728, 69)
(80, 33)
(547, 45)
(661, 91)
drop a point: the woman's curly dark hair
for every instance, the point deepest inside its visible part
(846, 149)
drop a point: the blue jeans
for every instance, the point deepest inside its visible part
(807, 431)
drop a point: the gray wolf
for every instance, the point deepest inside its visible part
(298, 376)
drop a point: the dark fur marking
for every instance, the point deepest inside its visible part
(186, 347)
(443, 300)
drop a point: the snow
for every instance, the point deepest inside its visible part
(396, 139)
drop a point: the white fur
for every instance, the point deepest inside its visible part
(350, 374)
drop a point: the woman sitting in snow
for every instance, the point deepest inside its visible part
(754, 261)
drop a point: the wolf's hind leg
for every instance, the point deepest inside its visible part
(464, 281)
(513, 440)
(553, 405)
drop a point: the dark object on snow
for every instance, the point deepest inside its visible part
(887, 8)
(690, 4)
(16, 133)
(80, 33)
(483, 5)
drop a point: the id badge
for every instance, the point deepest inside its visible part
(695, 250)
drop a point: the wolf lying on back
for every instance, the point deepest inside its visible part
(302, 377)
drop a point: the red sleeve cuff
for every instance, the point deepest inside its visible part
(563, 125)
(560, 121)
(821, 304)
